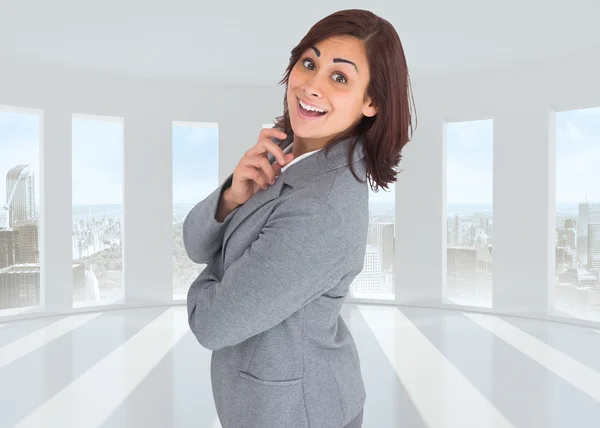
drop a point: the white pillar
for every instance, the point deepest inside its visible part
(148, 209)
(56, 277)
(420, 201)
(524, 209)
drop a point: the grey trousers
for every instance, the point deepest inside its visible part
(356, 422)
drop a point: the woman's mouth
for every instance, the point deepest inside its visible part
(306, 111)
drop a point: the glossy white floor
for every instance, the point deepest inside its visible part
(422, 368)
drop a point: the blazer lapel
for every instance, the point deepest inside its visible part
(307, 171)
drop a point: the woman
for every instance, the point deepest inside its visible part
(285, 235)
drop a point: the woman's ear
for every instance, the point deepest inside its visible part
(369, 108)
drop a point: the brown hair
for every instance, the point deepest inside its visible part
(386, 133)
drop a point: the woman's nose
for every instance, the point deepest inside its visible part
(312, 88)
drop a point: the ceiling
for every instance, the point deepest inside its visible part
(241, 42)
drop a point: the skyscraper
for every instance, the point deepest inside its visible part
(19, 243)
(589, 213)
(20, 194)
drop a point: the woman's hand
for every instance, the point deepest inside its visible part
(254, 172)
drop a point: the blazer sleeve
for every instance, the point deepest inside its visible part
(202, 233)
(299, 255)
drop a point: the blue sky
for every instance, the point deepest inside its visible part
(195, 162)
(469, 157)
(98, 156)
(578, 155)
(97, 161)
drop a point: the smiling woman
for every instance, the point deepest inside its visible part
(339, 96)
(348, 77)
(282, 251)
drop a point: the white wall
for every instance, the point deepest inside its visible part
(521, 101)
(148, 109)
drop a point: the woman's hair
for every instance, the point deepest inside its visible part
(385, 134)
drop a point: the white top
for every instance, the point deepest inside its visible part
(287, 150)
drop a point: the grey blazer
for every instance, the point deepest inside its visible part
(268, 302)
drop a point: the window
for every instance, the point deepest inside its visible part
(577, 290)
(195, 176)
(97, 148)
(376, 280)
(469, 220)
(19, 210)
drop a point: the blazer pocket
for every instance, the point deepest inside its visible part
(254, 379)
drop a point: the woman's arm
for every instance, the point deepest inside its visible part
(300, 254)
(204, 226)
(226, 206)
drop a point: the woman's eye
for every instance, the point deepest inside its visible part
(309, 62)
(342, 78)
(311, 66)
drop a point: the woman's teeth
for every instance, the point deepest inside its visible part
(311, 108)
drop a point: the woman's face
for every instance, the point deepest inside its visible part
(332, 76)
